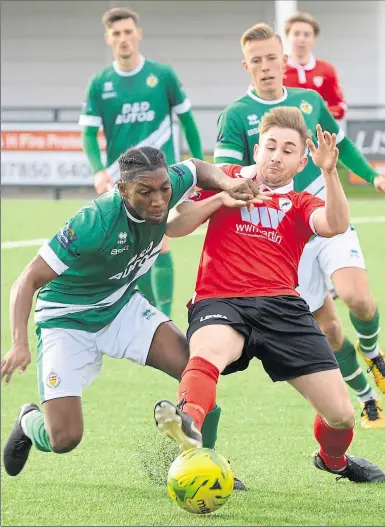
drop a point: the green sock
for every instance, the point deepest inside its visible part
(163, 282)
(351, 371)
(145, 285)
(367, 331)
(34, 428)
(210, 427)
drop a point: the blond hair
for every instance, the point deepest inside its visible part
(285, 117)
(259, 32)
(119, 13)
(307, 18)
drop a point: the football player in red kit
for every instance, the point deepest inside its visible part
(246, 305)
(304, 70)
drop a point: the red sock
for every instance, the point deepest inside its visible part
(198, 388)
(334, 443)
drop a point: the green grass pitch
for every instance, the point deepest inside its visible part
(265, 431)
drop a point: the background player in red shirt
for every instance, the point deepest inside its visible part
(304, 70)
(247, 305)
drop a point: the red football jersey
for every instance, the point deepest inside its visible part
(320, 76)
(257, 253)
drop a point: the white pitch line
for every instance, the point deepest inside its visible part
(199, 232)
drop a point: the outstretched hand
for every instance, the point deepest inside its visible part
(18, 357)
(246, 190)
(325, 155)
(379, 183)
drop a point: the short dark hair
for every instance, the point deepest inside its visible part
(135, 161)
(307, 18)
(119, 13)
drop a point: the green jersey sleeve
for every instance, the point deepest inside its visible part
(183, 177)
(83, 234)
(177, 98)
(327, 121)
(91, 114)
(229, 148)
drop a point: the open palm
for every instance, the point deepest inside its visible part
(325, 155)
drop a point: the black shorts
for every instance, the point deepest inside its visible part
(280, 331)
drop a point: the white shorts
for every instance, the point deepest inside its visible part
(321, 257)
(69, 360)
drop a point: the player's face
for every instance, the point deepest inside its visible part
(149, 195)
(123, 37)
(301, 39)
(266, 62)
(279, 156)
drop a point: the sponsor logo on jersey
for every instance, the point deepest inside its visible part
(318, 81)
(257, 220)
(253, 119)
(134, 264)
(136, 112)
(108, 90)
(306, 107)
(148, 314)
(208, 317)
(178, 171)
(122, 237)
(152, 81)
(120, 250)
(285, 204)
(253, 131)
(66, 236)
(53, 380)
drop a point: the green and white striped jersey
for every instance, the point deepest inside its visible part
(99, 256)
(134, 108)
(238, 131)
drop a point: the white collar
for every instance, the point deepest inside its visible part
(264, 101)
(251, 171)
(129, 73)
(310, 65)
(132, 217)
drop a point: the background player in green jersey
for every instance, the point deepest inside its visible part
(88, 305)
(339, 258)
(134, 99)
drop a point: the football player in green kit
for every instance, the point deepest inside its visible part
(340, 258)
(134, 100)
(88, 304)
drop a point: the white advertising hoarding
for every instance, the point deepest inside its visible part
(44, 154)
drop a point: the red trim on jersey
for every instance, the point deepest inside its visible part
(255, 254)
(320, 76)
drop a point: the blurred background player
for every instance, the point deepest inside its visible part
(303, 70)
(134, 100)
(340, 257)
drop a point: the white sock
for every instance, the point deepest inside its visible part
(23, 421)
(371, 354)
(370, 395)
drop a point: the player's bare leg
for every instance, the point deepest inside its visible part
(212, 348)
(352, 286)
(333, 427)
(59, 429)
(328, 320)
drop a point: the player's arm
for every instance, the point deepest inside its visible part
(333, 218)
(336, 103)
(190, 214)
(35, 275)
(181, 106)
(91, 120)
(79, 236)
(349, 155)
(229, 148)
